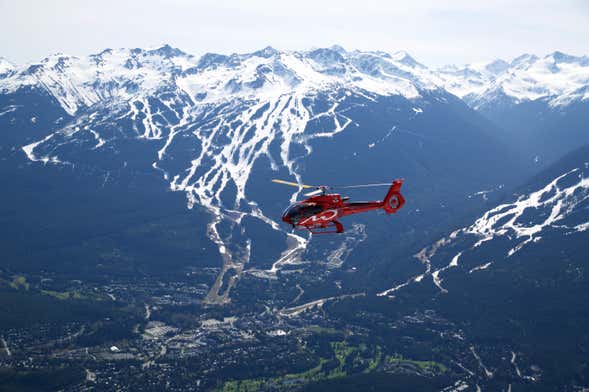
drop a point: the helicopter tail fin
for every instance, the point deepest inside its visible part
(393, 201)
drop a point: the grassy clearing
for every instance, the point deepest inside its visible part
(363, 358)
(347, 359)
(63, 295)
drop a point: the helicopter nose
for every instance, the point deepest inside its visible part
(286, 218)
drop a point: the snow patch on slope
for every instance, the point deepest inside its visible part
(521, 222)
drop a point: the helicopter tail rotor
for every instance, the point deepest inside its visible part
(393, 201)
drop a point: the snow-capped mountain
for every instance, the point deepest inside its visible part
(127, 74)
(472, 78)
(540, 103)
(164, 90)
(78, 82)
(557, 78)
(123, 74)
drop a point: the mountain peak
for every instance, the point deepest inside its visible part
(560, 57)
(497, 66)
(525, 58)
(404, 58)
(338, 48)
(167, 51)
(267, 52)
(326, 55)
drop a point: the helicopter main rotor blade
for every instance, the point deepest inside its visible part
(362, 186)
(294, 184)
(324, 187)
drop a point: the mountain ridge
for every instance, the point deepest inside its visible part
(78, 82)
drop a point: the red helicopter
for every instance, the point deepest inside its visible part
(320, 212)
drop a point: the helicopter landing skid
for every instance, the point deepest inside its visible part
(332, 227)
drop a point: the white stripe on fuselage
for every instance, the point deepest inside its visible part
(325, 216)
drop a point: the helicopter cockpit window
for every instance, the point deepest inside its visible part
(311, 209)
(303, 210)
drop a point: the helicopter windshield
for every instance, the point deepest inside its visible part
(297, 211)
